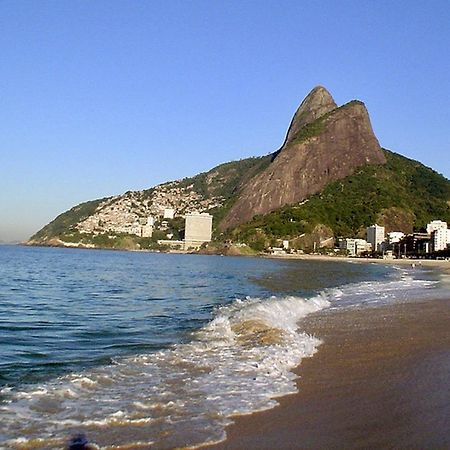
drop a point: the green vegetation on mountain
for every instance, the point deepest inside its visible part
(317, 127)
(67, 220)
(401, 186)
(226, 179)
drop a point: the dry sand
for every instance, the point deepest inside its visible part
(380, 380)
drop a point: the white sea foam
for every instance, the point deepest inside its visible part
(238, 363)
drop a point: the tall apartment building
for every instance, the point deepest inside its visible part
(436, 225)
(375, 236)
(198, 229)
(440, 239)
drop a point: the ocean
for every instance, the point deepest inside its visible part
(152, 350)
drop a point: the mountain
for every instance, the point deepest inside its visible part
(323, 144)
(102, 222)
(330, 177)
(402, 195)
(316, 104)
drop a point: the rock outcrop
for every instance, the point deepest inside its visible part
(323, 144)
(316, 104)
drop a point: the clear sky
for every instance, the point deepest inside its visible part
(101, 97)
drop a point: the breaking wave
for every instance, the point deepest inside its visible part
(185, 395)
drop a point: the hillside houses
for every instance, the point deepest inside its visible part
(139, 213)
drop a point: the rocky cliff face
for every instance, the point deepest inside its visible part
(323, 144)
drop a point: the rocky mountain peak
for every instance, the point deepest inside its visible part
(317, 103)
(324, 144)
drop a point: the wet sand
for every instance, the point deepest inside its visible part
(380, 380)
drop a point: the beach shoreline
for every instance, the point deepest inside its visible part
(432, 263)
(379, 380)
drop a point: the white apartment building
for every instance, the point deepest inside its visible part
(198, 229)
(354, 246)
(375, 236)
(147, 230)
(436, 225)
(361, 246)
(394, 237)
(440, 239)
(347, 244)
(168, 213)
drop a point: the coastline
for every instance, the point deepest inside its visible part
(235, 251)
(436, 263)
(379, 380)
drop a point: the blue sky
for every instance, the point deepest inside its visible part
(101, 97)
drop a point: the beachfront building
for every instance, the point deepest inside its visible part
(440, 239)
(354, 246)
(362, 246)
(394, 237)
(414, 244)
(375, 236)
(436, 225)
(277, 251)
(198, 229)
(347, 244)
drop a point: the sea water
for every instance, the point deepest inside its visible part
(145, 350)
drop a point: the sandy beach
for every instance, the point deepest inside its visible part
(379, 380)
(439, 264)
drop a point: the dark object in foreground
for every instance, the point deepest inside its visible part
(79, 442)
